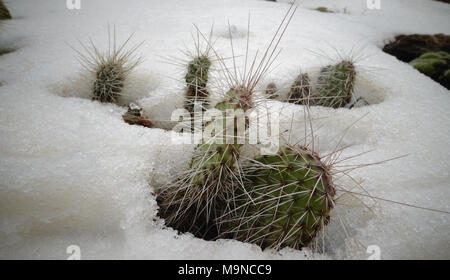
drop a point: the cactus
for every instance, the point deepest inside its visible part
(4, 12)
(196, 80)
(109, 69)
(434, 65)
(286, 202)
(193, 202)
(271, 91)
(335, 85)
(300, 90)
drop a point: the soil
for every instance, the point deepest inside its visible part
(409, 47)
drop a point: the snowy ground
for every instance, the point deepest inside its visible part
(72, 172)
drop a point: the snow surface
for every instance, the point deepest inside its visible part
(72, 172)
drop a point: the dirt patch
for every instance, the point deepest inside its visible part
(409, 47)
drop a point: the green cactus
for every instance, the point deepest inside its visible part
(194, 201)
(335, 85)
(109, 82)
(286, 202)
(300, 90)
(4, 12)
(196, 80)
(109, 69)
(434, 65)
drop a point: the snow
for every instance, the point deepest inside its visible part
(72, 172)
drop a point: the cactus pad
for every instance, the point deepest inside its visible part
(286, 202)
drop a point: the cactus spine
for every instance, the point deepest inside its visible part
(287, 200)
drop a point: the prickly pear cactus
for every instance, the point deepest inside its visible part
(335, 85)
(4, 12)
(300, 90)
(196, 80)
(287, 200)
(434, 65)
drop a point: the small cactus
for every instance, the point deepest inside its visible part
(286, 201)
(271, 91)
(335, 85)
(196, 80)
(109, 70)
(4, 12)
(434, 65)
(300, 90)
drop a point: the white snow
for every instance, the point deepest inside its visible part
(72, 172)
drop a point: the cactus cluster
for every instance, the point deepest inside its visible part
(275, 201)
(4, 12)
(334, 87)
(435, 65)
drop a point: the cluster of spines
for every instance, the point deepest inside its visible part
(286, 201)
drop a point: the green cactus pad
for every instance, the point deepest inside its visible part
(300, 90)
(286, 202)
(196, 80)
(335, 85)
(4, 12)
